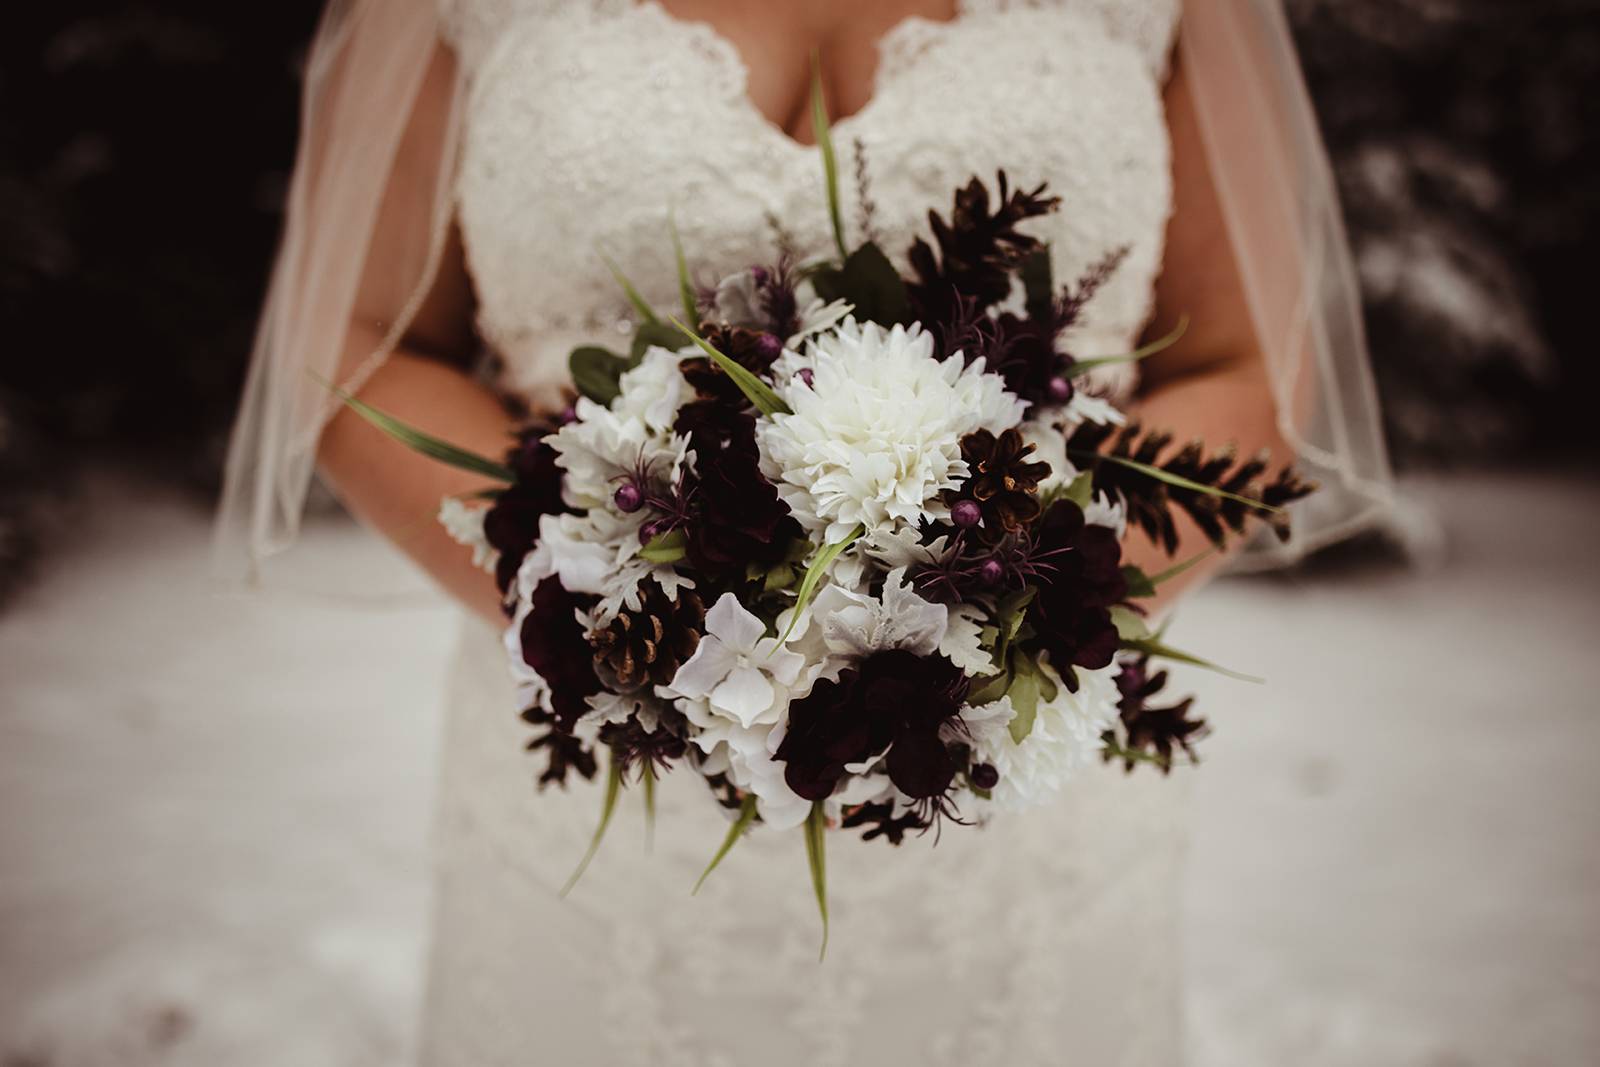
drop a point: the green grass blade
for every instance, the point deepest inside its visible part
(1172, 479)
(816, 855)
(755, 390)
(1159, 345)
(1152, 646)
(813, 577)
(747, 815)
(425, 443)
(830, 163)
(642, 306)
(1173, 571)
(691, 310)
(608, 807)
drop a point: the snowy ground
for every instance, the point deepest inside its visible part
(213, 809)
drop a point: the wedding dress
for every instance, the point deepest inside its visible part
(1045, 938)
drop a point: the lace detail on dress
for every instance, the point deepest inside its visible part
(1045, 938)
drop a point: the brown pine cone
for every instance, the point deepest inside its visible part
(650, 644)
(1001, 479)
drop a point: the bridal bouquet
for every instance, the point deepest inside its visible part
(846, 543)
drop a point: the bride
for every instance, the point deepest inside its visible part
(465, 168)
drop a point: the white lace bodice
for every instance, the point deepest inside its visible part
(1041, 940)
(589, 121)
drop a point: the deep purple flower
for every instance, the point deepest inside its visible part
(511, 524)
(1071, 611)
(556, 646)
(893, 700)
(735, 516)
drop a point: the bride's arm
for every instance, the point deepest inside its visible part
(389, 487)
(1213, 385)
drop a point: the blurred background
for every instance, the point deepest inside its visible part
(1395, 856)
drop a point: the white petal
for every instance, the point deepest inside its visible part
(745, 694)
(709, 665)
(732, 624)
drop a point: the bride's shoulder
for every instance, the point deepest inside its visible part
(1147, 25)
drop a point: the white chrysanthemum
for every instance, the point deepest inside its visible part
(1066, 738)
(653, 391)
(465, 526)
(875, 436)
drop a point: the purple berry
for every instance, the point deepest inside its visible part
(807, 375)
(628, 497)
(966, 513)
(768, 346)
(1060, 389)
(984, 776)
(991, 572)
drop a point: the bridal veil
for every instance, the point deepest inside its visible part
(328, 318)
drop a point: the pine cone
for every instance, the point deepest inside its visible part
(650, 644)
(751, 349)
(1001, 479)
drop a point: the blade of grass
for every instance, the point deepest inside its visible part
(747, 815)
(830, 164)
(608, 807)
(816, 856)
(642, 306)
(425, 443)
(1161, 344)
(691, 310)
(755, 390)
(813, 577)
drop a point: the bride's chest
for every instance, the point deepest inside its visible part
(586, 130)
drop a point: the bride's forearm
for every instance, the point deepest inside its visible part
(397, 492)
(1230, 404)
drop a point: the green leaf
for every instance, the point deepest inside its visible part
(990, 690)
(830, 165)
(1172, 572)
(613, 787)
(1024, 693)
(595, 372)
(658, 334)
(669, 547)
(1081, 491)
(755, 390)
(646, 312)
(813, 576)
(1008, 618)
(1172, 479)
(1153, 647)
(1129, 623)
(649, 779)
(1038, 282)
(780, 577)
(691, 311)
(1161, 344)
(869, 283)
(1139, 583)
(747, 815)
(816, 855)
(425, 443)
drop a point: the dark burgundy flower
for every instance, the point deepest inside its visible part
(1071, 612)
(511, 524)
(555, 645)
(633, 746)
(1158, 732)
(735, 516)
(564, 754)
(894, 700)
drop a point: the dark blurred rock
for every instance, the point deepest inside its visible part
(1463, 137)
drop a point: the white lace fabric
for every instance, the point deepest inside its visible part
(1042, 939)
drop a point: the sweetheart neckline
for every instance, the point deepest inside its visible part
(730, 55)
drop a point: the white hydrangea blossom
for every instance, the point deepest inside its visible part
(853, 625)
(464, 524)
(734, 689)
(874, 437)
(1065, 739)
